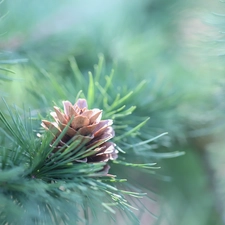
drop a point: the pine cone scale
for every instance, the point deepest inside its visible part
(96, 117)
(70, 131)
(60, 116)
(79, 122)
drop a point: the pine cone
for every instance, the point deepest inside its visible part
(85, 126)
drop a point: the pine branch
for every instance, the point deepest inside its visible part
(57, 175)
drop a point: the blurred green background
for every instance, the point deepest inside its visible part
(176, 46)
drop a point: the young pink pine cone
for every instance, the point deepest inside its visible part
(87, 128)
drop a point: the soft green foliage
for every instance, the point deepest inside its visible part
(165, 67)
(59, 189)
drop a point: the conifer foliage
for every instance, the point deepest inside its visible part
(55, 170)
